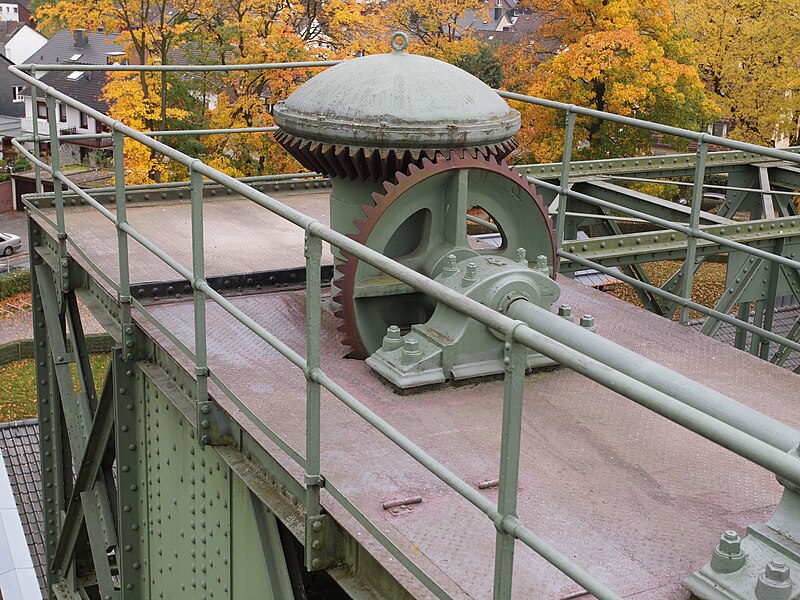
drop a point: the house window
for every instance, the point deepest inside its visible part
(719, 129)
(62, 113)
(16, 93)
(84, 121)
(41, 110)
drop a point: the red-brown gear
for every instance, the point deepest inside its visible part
(344, 279)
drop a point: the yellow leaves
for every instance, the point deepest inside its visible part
(621, 56)
(123, 92)
(748, 52)
(73, 14)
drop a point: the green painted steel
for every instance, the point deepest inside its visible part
(182, 504)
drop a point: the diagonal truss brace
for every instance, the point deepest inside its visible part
(93, 501)
(783, 352)
(731, 295)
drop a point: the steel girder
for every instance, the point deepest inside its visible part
(134, 506)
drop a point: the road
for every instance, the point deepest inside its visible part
(14, 222)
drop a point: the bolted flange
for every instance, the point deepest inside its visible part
(775, 583)
(728, 555)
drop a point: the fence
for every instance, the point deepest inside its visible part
(712, 415)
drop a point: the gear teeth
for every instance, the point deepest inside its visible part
(428, 163)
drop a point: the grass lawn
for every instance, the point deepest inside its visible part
(18, 391)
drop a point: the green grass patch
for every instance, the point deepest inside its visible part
(18, 386)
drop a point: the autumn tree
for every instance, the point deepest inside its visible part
(750, 61)
(438, 28)
(123, 92)
(621, 56)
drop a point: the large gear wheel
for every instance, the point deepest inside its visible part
(421, 218)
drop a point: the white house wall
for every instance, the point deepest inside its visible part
(23, 44)
(68, 153)
(9, 11)
(17, 575)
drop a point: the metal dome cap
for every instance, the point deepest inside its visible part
(371, 116)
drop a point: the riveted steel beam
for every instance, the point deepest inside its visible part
(77, 415)
(733, 293)
(622, 196)
(360, 575)
(90, 465)
(671, 245)
(672, 165)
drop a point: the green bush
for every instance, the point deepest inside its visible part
(14, 283)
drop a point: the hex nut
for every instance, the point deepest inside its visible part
(728, 556)
(775, 582)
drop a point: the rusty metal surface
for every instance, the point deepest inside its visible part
(638, 501)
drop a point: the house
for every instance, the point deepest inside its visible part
(12, 107)
(19, 40)
(80, 46)
(500, 21)
(85, 87)
(75, 48)
(17, 12)
(22, 557)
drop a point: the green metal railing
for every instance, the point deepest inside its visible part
(693, 231)
(742, 430)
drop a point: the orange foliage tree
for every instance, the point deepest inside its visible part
(622, 56)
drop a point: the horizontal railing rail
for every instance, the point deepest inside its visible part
(714, 416)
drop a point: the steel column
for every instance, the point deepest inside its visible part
(515, 360)
(563, 196)
(313, 479)
(694, 224)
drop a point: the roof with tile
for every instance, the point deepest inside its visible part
(19, 443)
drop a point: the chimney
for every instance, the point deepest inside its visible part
(81, 39)
(498, 11)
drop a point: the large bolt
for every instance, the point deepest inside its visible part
(774, 583)
(522, 256)
(565, 312)
(541, 263)
(471, 274)
(728, 556)
(411, 351)
(450, 264)
(392, 341)
(587, 322)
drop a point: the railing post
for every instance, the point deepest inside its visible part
(694, 226)
(37, 147)
(563, 196)
(58, 194)
(198, 277)
(118, 140)
(313, 478)
(516, 361)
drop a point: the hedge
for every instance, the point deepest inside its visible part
(11, 351)
(15, 283)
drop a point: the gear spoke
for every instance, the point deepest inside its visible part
(419, 221)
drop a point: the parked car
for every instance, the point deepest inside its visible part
(9, 243)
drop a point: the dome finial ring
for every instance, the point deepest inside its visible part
(399, 41)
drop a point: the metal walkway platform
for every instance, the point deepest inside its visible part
(634, 498)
